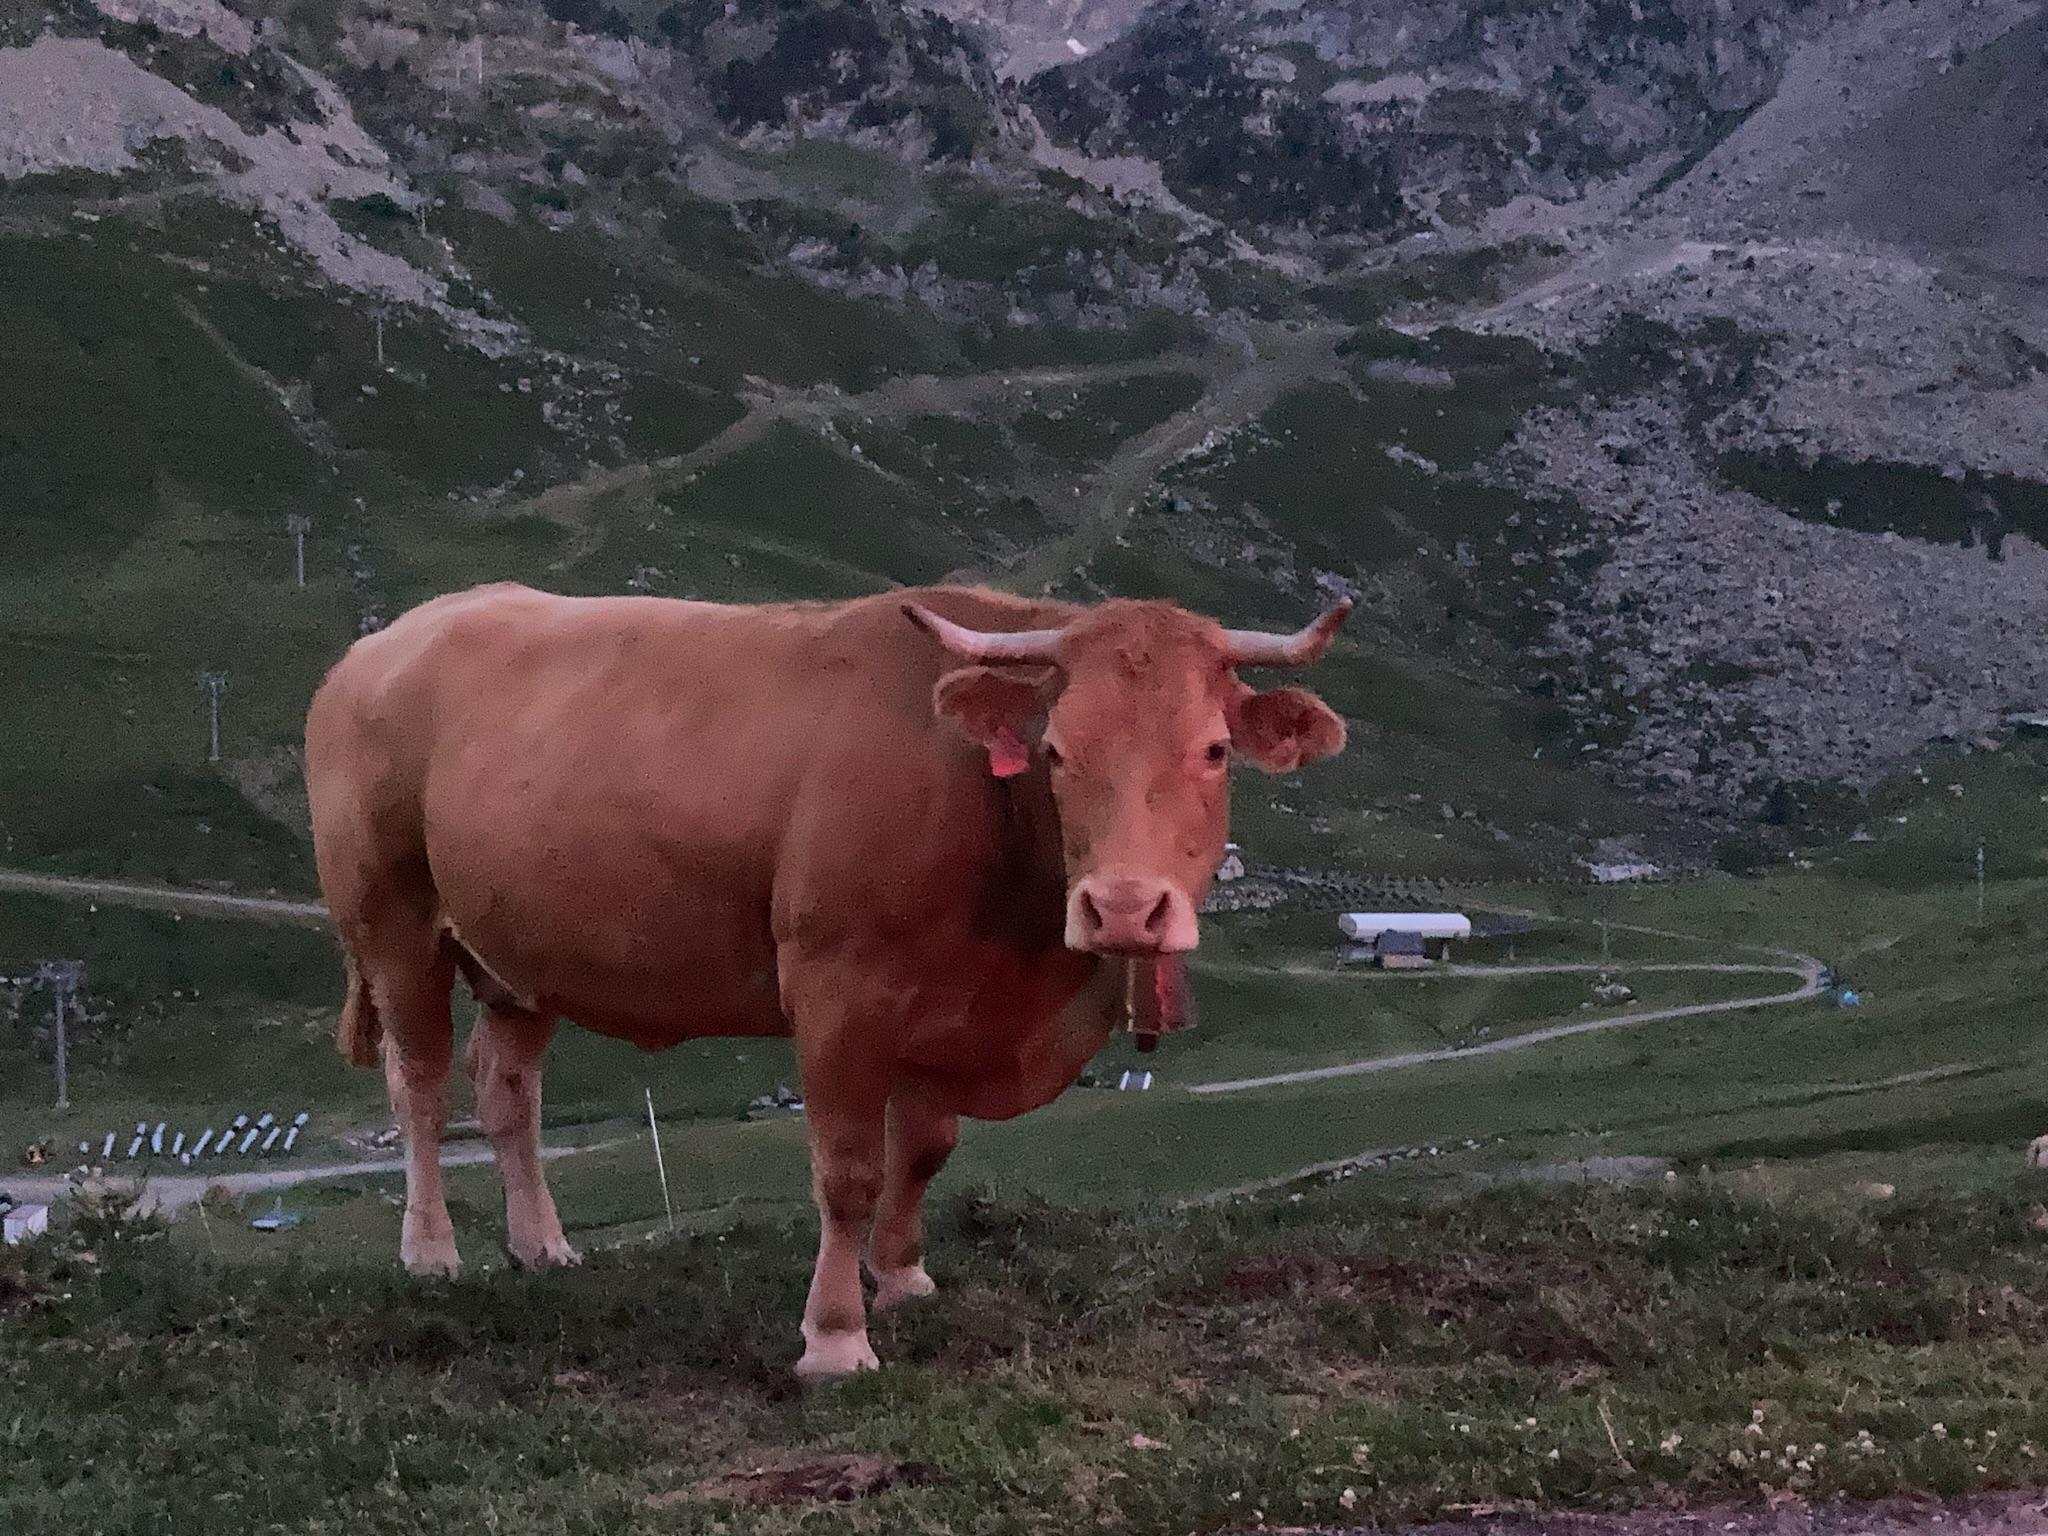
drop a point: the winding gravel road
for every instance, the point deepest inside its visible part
(1806, 968)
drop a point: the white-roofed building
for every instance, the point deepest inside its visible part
(1366, 927)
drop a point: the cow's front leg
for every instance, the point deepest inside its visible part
(921, 1137)
(847, 1114)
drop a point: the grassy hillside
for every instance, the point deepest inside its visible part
(171, 427)
(1836, 1290)
(1351, 1356)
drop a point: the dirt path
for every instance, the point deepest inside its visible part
(164, 898)
(768, 405)
(1243, 383)
(1273, 361)
(1808, 970)
(1546, 968)
(1609, 967)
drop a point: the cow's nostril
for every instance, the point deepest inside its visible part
(1089, 913)
(1155, 920)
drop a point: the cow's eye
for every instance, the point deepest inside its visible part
(1219, 752)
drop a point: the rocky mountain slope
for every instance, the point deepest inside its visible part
(1671, 377)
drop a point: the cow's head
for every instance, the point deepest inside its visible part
(1135, 710)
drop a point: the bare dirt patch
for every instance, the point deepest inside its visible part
(838, 1479)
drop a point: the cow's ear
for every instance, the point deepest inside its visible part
(997, 709)
(1285, 728)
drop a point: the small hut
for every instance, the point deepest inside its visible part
(1366, 927)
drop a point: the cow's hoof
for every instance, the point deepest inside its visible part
(893, 1287)
(432, 1261)
(828, 1355)
(427, 1247)
(554, 1254)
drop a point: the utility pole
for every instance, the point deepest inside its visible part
(215, 684)
(298, 525)
(61, 977)
(1980, 882)
(380, 337)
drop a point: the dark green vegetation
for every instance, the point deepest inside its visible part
(1364, 1355)
(1971, 510)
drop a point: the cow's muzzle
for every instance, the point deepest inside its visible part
(1125, 914)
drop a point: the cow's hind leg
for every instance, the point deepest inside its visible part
(505, 1051)
(921, 1137)
(419, 1047)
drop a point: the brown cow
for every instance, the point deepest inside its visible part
(905, 830)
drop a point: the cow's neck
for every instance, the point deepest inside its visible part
(1027, 893)
(1033, 873)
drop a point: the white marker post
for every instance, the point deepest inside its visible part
(660, 1167)
(215, 683)
(298, 525)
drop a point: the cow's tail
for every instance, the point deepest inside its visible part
(360, 1028)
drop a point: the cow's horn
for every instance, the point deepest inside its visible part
(1034, 645)
(1252, 648)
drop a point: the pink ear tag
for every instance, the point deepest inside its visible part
(1007, 754)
